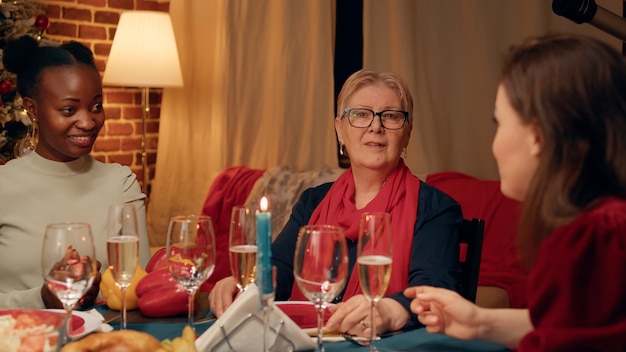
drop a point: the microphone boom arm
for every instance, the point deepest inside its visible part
(587, 11)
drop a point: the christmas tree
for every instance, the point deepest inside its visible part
(17, 18)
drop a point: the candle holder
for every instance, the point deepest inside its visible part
(267, 303)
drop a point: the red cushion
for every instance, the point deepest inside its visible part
(500, 263)
(231, 187)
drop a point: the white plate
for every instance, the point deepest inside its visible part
(307, 303)
(90, 323)
(332, 337)
(311, 331)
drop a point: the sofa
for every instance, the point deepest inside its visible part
(501, 266)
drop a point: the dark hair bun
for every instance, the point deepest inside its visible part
(80, 52)
(18, 52)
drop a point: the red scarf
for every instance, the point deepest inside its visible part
(398, 197)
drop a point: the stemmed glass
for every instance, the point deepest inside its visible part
(122, 248)
(68, 262)
(242, 246)
(190, 253)
(321, 267)
(374, 261)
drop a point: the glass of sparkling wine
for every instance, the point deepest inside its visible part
(190, 253)
(68, 262)
(374, 261)
(122, 248)
(242, 246)
(321, 268)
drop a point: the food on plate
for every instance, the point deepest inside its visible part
(122, 340)
(132, 341)
(185, 343)
(29, 330)
(112, 293)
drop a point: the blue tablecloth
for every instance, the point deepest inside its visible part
(416, 340)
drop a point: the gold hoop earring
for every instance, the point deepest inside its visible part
(404, 153)
(341, 152)
(27, 144)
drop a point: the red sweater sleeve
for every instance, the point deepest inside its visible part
(577, 286)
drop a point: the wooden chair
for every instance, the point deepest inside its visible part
(471, 238)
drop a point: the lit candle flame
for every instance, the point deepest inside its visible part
(263, 204)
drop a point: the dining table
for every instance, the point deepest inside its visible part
(419, 340)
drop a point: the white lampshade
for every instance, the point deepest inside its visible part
(144, 52)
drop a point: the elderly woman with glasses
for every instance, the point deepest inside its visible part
(373, 125)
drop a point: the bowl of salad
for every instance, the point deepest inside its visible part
(30, 329)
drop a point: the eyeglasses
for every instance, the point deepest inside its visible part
(389, 119)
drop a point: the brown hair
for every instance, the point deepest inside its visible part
(574, 87)
(363, 78)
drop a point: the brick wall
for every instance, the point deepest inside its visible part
(93, 23)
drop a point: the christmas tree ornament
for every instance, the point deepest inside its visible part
(41, 22)
(5, 87)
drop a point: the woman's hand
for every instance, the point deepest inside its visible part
(49, 299)
(62, 269)
(444, 311)
(90, 297)
(353, 316)
(222, 295)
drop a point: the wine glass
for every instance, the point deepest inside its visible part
(321, 267)
(374, 261)
(122, 248)
(242, 246)
(190, 253)
(68, 263)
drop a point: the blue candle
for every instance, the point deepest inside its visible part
(264, 249)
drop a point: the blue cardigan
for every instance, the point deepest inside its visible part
(435, 248)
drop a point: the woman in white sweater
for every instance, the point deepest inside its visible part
(62, 93)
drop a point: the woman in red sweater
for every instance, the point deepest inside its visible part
(560, 146)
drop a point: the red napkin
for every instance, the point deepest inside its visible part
(302, 313)
(78, 325)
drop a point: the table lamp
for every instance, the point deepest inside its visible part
(144, 55)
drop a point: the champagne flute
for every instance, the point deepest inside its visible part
(242, 246)
(122, 248)
(321, 268)
(190, 253)
(374, 261)
(68, 262)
